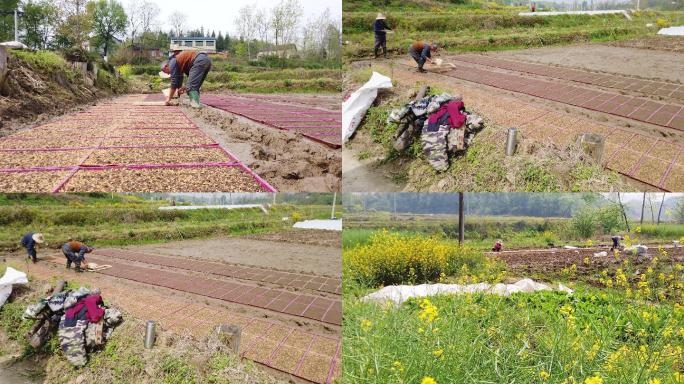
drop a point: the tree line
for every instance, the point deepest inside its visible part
(102, 24)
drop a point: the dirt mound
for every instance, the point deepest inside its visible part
(287, 160)
(32, 92)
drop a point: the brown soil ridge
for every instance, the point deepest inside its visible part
(286, 279)
(311, 307)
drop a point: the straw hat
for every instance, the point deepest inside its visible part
(38, 238)
(380, 17)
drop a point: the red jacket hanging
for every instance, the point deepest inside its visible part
(453, 108)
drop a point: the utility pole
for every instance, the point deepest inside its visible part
(461, 219)
(643, 205)
(16, 27)
(332, 215)
(394, 198)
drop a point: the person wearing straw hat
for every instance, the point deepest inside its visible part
(75, 251)
(29, 242)
(380, 28)
(195, 65)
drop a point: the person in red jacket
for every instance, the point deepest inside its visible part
(498, 246)
(75, 251)
(195, 65)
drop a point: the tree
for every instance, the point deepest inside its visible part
(246, 26)
(142, 17)
(40, 21)
(178, 21)
(262, 24)
(109, 21)
(220, 47)
(284, 21)
(679, 211)
(76, 23)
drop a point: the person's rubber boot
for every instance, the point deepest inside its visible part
(421, 70)
(194, 99)
(68, 265)
(78, 268)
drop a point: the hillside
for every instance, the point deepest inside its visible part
(36, 80)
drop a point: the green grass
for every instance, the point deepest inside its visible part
(458, 28)
(490, 339)
(482, 231)
(44, 60)
(102, 221)
(619, 335)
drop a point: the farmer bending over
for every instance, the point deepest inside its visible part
(75, 251)
(421, 52)
(29, 242)
(195, 65)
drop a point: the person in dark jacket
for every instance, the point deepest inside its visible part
(380, 28)
(29, 242)
(616, 242)
(75, 251)
(195, 65)
(421, 52)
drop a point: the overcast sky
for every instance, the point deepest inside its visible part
(219, 15)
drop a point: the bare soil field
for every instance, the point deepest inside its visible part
(624, 60)
(287, 160)
(553, 260)
(654, 43)
(302, 236)
(283, 256)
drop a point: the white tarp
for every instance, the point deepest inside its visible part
(400, 293)
(328, 225)
(14, 45)
(355, 107)
(231, 206)
(11, 277)
(558, 13)
(672, 31)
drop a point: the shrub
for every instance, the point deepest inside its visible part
(296, 217)
(584, 222)
(126, 70)
(392, 258)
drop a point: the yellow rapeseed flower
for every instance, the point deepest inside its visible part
(654, 381)
(544, 375)
(366, 324)
(428, 380)
(596, 379)
(438, 353)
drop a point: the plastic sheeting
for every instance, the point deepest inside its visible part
(328, 225)
(233, 206)
(591, 13)
(672, 31)
(355, 107)
(11, 277)
(400, 293)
